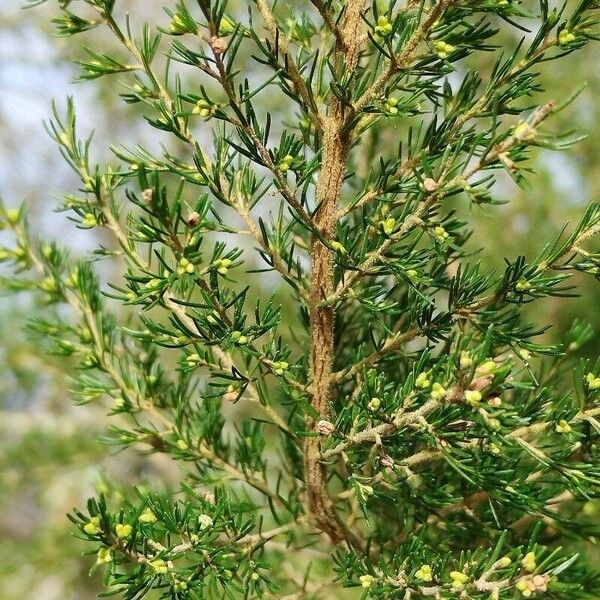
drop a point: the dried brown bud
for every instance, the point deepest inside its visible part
(232, 394)
(430, 185)
(147, 196)
(218, 44)
(387, 461)
(481, 382)
(192, 219)
(325, 428)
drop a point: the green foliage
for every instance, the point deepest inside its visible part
(393, 398)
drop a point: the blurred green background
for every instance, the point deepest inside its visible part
(51, 457)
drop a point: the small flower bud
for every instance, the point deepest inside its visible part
(123, 530)
(204, 522)
(473, 397)
(563, 427)
(529, 563)
(438, 391)
(430, 185)
(504, 562)
(424, 573)
(325, 428)
(147, 516)
(104, 556)
(218, 45)
(422, 381)
(388, 226)
(466, 360)
(192, 219)
(565, 37)
(147, 195)
(366, 581)
(339, 247)
(92, 527)
(387, 461)
(442, 49)
(239, 338)
(374, 404)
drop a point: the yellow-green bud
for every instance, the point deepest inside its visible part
(89, 220)
(443, 50)
(529, 563)
(239, 338)
(563, 427)
(123, 530)
(280, 366)
(473, 397)
(440, 234)
(147, 516)
(13, 215)
(92, 527)
(383, 27)
(366, 581)
(388, 225)
(103, 556)
(565, 37)
(438, 391)
(339, 247)
(424, 573)
(374, 404)
(422, 381)
(159, 566)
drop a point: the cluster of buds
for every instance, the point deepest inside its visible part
(438, 391)
(391, 105)
(285, 164)
(459, 580)
(440, 234)
(280, 367)
(423, 381)
(222, 265)
(239, 338)
(383, 28)
(204, 109)
(528, 586)
(185, 267)
(123, 530)
(443, 49)
(563, 427)
(593, 382)
(424, 573)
